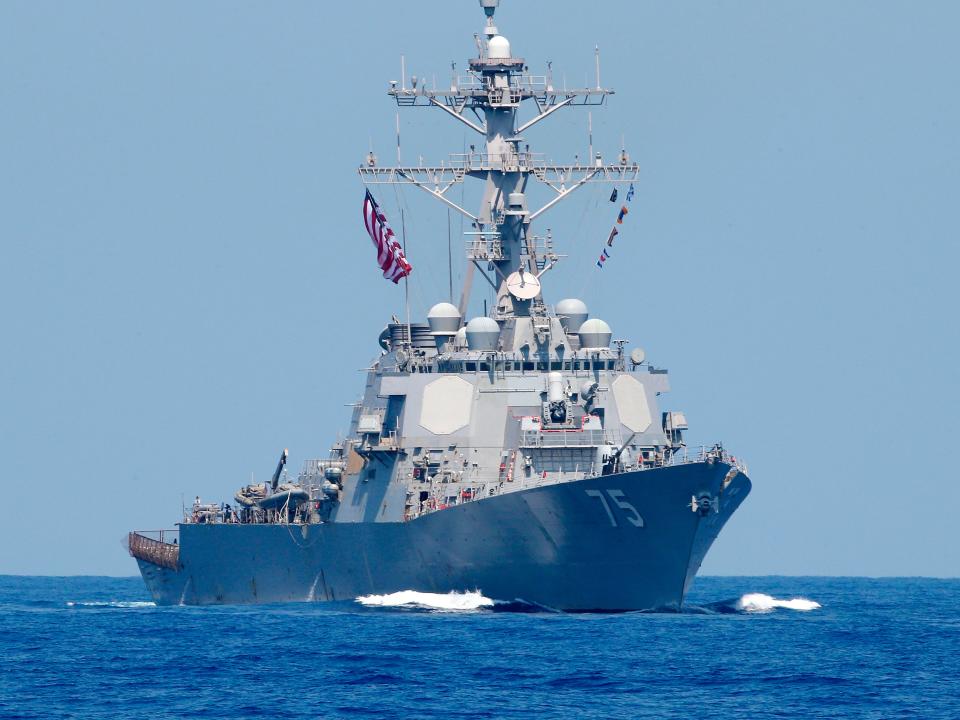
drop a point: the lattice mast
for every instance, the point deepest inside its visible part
(487, 100)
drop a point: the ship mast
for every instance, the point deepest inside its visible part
(487, 100)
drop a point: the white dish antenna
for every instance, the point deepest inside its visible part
(523, 285)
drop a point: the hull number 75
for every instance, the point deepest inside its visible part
(629, 511)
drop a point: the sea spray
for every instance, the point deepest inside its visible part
(438, 601)
(758, 602)
(112, 604)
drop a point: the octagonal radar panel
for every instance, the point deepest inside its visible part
(446, 407)
(523, 285)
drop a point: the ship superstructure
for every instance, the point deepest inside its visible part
(522, 452)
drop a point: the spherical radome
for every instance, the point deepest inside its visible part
(572, 313)
(483, 333)
(498, 48)
(595, 333)
(444, 318)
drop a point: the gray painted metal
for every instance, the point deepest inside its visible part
(569, 546)
(516, 453)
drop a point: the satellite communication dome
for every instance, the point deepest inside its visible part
(595, 334)
(444, 318)
(498, 48)
(483, 333)
(572, 313)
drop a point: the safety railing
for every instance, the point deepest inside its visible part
(164, 552)
(563, 438)
(706, 453)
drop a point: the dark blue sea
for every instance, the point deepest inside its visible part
(91, 647)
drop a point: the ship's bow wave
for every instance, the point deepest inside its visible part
(758, 602)
(111, 604)
(752, 603)
(469, 601)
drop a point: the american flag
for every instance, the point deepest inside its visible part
(389, 253)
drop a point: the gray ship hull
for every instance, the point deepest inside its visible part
(628, 541)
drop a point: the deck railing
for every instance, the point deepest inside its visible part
(705, 453)
(564, 438)
(158, 552)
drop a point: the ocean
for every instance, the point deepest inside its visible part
(746, 647)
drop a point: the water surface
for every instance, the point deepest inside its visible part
(89, 647)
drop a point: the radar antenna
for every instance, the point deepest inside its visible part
(497, 83)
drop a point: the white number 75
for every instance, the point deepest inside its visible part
(633, 517)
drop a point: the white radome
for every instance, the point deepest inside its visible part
(498, 48)
(595, 333)
(572, 313)
(444, 318)
(483, 333)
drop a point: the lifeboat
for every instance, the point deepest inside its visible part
(288, 495)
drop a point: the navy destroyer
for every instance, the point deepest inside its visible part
(522, 453)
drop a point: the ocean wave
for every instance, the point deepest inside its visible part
(452, 601)
(760, 603)
(113, 604)
(467, 601)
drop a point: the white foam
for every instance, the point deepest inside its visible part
(411, 598)
(758, 602)
(312, 595)
(113, 604)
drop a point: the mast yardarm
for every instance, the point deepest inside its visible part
(488, 100)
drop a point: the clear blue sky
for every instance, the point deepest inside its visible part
(186, 287)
